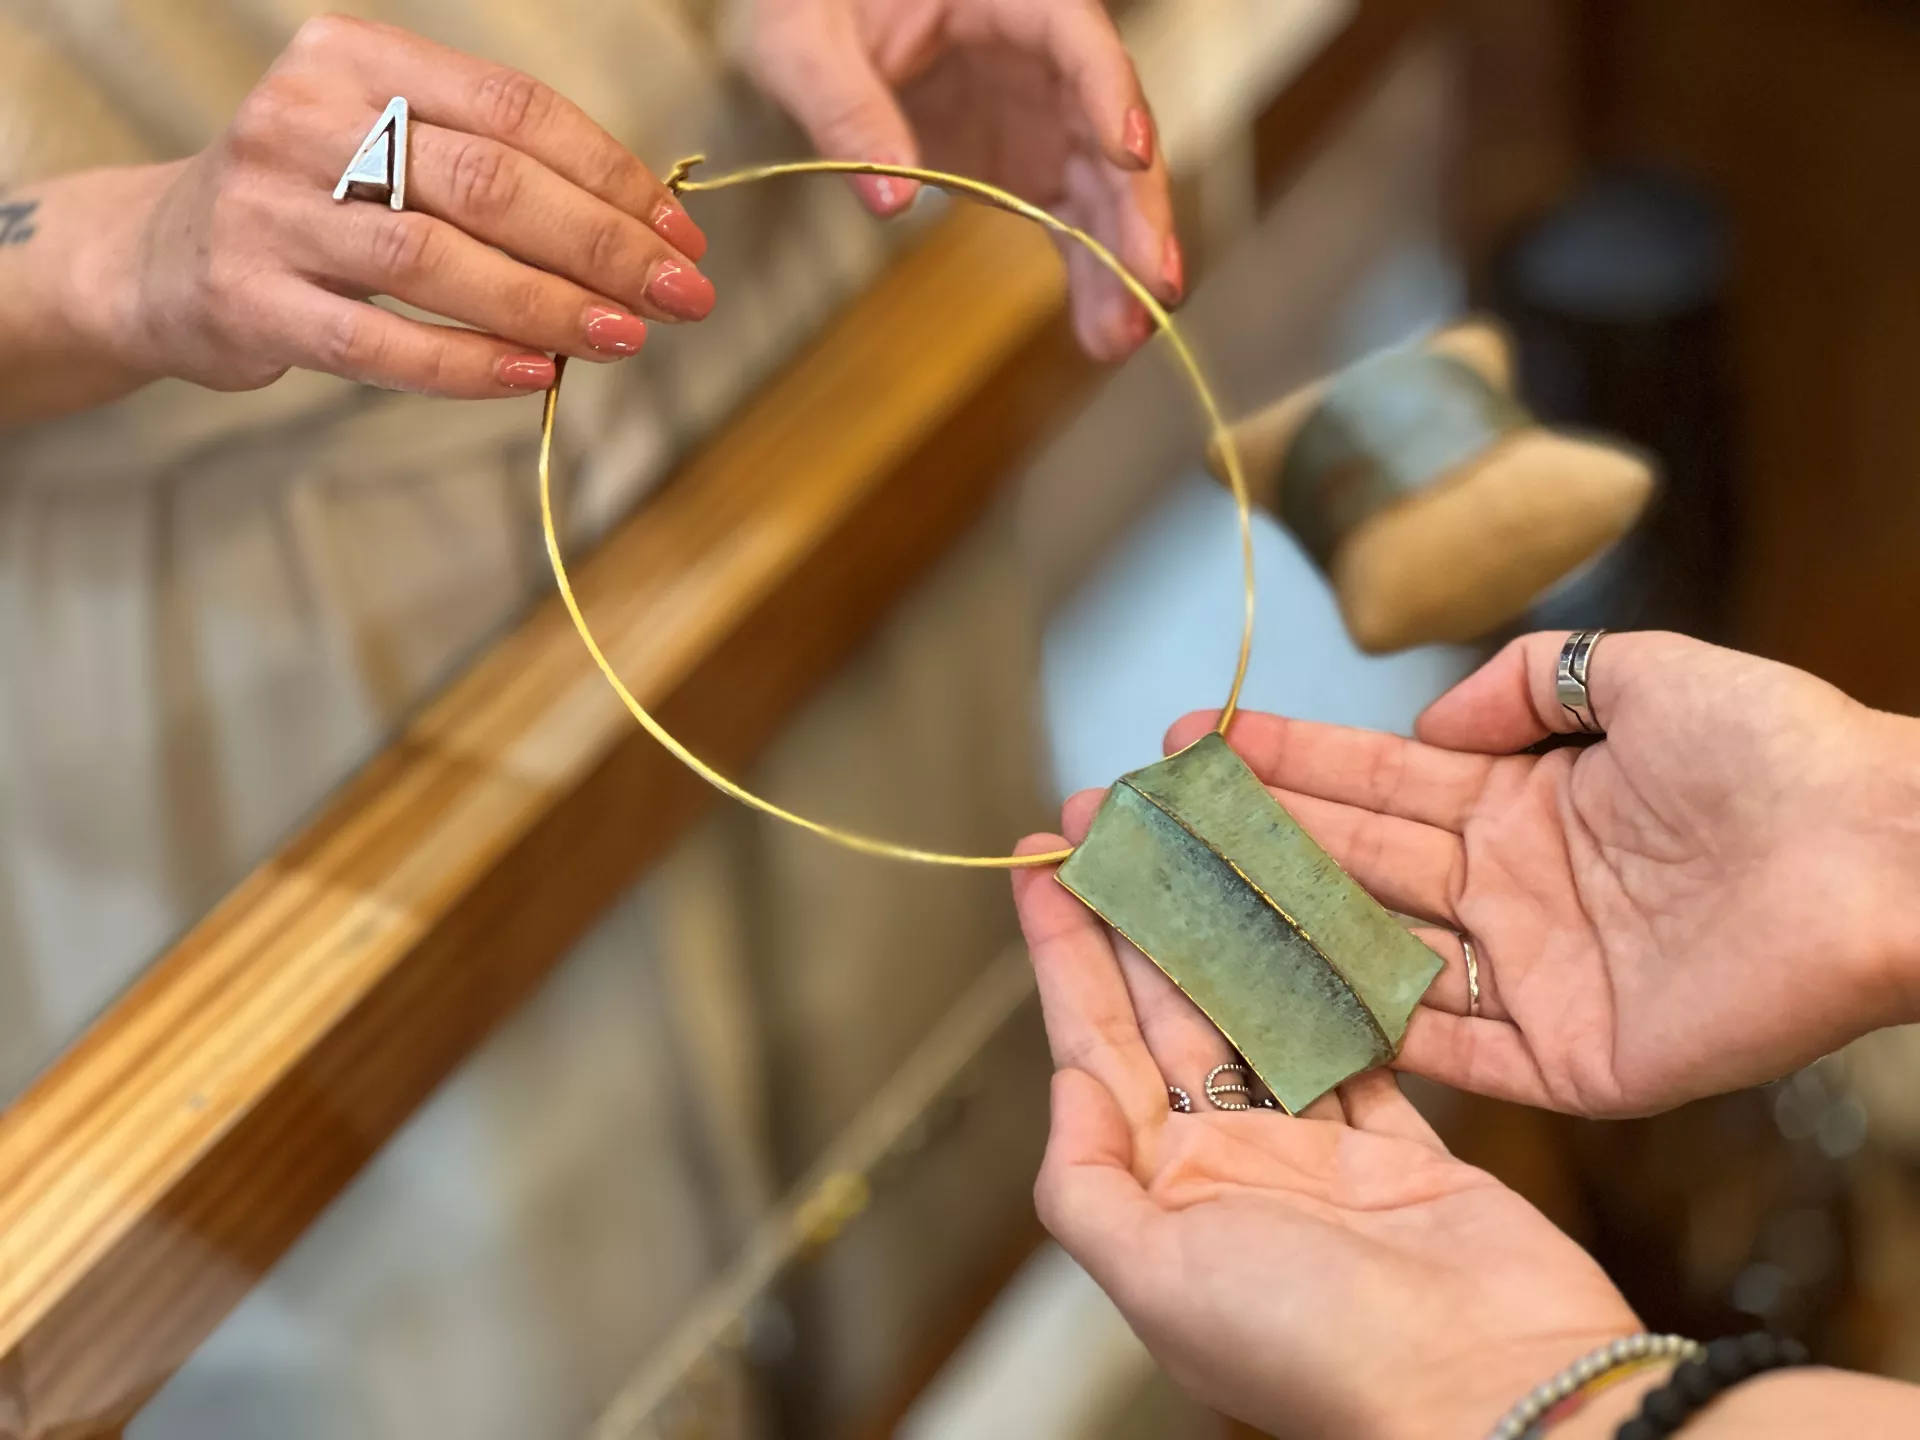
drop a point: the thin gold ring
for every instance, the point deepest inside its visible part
(1473, 975)
(680, 182)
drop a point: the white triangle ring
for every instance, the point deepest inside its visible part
(378, 170)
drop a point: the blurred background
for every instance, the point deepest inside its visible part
(755, 1159)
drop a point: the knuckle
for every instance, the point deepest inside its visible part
(354, 345)
(1386, 768)
(605, 246)
(403, 244)
(326, 33)
(437, 370)
(484, 180)
(611, 170)
(850, 115)
(514, 103)
(261, 125)
(526, 301)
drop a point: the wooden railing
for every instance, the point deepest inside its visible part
(176, 1151)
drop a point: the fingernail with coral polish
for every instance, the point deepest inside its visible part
(676, 227)
(614, 332)
(1173, 268)
(680, 290)
(1136, 136)
(883, 194)
(525, 372)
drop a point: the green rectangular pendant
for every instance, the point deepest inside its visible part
(1302, 970)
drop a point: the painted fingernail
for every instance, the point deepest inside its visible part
(1139, 326)
(1136, 136)
(680, 290)
(525, 372)
(676, 227)
(883, 194)
(1173, 268)
(614, 332)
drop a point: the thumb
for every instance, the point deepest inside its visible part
(1087, 1194)
(822, 75)
(1512, 701)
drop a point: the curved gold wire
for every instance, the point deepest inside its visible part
(680, 181)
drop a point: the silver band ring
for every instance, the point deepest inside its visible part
(1216, 1087)
(1473, 976)
(1179, 1101)
(1570, 679)
(378, 170)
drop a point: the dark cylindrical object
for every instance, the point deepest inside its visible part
(1616, 303)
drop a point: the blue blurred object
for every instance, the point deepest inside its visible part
(1153, 635)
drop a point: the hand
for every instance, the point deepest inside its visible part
(525, 220)
(1717, 894)
(1334, 1275)
(1037, 96)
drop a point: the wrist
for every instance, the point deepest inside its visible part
(1781, 1403)
(1480, 1388)
(1612, 1407)
(70, 317)
(1888, 820)
(100, 293)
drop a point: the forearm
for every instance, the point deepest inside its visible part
(66, 282)
(1789, 1404)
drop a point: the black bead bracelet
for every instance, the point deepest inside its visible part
(1694, 1384)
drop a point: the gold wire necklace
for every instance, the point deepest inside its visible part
(1190, 858)
(680, 182)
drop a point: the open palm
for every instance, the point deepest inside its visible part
(1709, 898)
(1334, 1274)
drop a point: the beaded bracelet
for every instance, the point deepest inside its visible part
(1700, 1379)
(1589, 1372)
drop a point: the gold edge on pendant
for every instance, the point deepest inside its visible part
(1373, 1021)
(1212, 1019)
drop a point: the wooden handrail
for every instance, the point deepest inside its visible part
(195, 1131)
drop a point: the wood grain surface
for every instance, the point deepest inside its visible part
(195, 1131)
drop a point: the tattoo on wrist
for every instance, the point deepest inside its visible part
(16, 221)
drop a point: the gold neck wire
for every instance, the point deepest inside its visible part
(680, 182)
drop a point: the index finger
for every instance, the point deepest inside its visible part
(1079, 39)
(1370, 769)
(444, 87)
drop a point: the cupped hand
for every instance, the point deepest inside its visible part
(1038, 96)
(1722, 890)
(1329, 1275)
(526, 224)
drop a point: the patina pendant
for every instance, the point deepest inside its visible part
(1302, 970)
